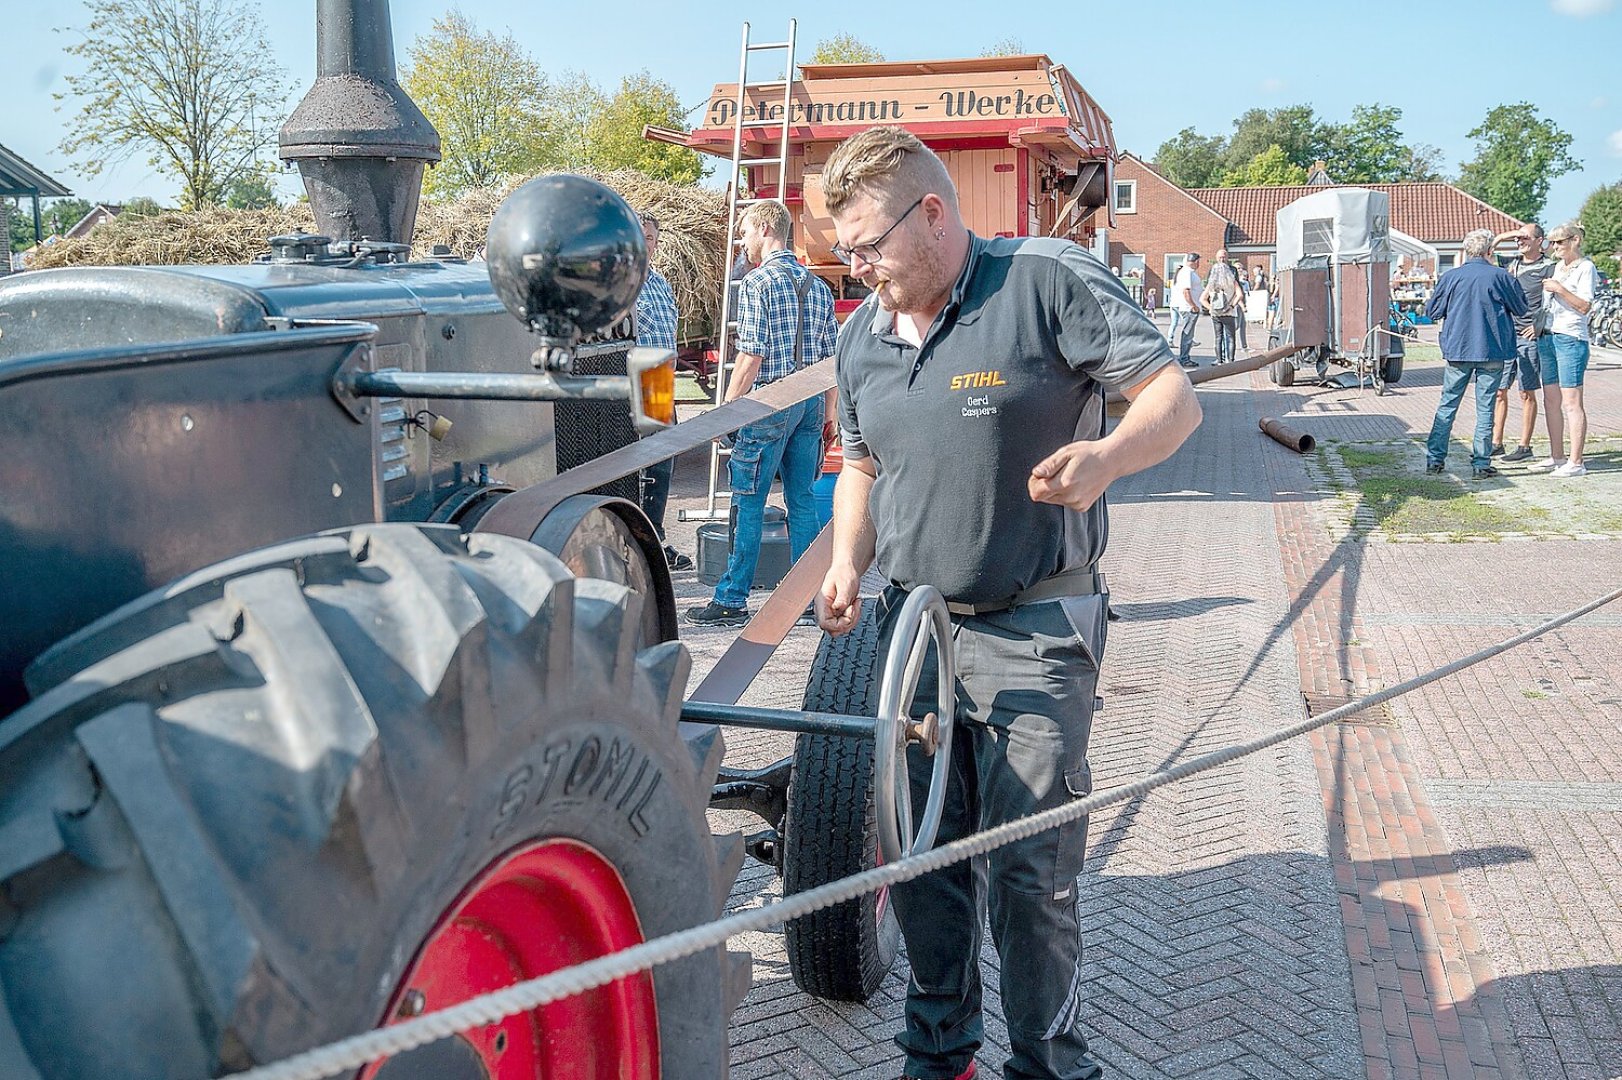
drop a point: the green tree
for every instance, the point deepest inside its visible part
(1601, 219)
(844, 49)
(1270, 168)
(616, 131)
(572, 111)
(1369, 149)
(1008, 46)
(19, 224)
(189, 83)
(142, 206)
(1295, 129)
(488, 99)
(1517, 154)
(252, 191)
(1189, 159)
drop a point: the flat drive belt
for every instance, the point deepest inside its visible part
(520, 514)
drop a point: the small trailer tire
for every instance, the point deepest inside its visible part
(831, 829)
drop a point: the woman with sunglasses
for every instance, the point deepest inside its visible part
(1563, 351)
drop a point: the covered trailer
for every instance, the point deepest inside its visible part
(1334, 254)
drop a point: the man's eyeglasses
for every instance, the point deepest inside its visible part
(870, 251)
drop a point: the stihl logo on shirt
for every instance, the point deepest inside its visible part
(974, 380)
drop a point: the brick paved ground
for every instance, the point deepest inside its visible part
(1431, 891)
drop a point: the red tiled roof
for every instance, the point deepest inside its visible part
(1434, 213)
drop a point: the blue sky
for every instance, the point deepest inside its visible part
(1155, 67)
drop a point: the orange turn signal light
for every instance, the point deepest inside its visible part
(653, 388)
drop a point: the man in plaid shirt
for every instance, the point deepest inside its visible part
(656, 328)
(785, 321)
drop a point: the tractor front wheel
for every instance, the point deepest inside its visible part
(345, 781)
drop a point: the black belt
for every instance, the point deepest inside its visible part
(1081, 581)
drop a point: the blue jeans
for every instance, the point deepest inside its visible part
(790, 441)
(1225, 330)
(1181, 337)
(1455, 379)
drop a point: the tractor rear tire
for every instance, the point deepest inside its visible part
(830, 831)
(231, 836)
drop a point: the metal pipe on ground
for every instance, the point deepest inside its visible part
(1285, 435)
(1223, 371)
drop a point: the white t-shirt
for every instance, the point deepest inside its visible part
(1563, 318)
(1187, 283)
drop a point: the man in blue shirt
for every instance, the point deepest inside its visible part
(1478, 303)
(785, 321)
(656, 328)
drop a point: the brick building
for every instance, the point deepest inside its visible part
(1157, 222)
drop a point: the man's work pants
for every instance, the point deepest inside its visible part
(1025, 693)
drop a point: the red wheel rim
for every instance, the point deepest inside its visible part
(535, 910)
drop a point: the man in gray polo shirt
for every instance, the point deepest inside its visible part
(971, 389)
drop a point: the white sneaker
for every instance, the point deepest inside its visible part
(1547, 465)
(1571, 468)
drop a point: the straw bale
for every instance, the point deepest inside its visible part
(692, 238)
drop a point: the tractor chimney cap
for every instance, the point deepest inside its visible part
(566, 256)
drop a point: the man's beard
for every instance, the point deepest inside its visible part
(923, 285)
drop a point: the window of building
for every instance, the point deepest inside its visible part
(1173, 263)
(1446, 260)
(1132, 265)
(1318, 236)
(1126, 196)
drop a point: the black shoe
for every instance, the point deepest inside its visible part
(808, 617)
(1434, 468)
(1486, 472)
(676, 559)
(1497, 451)
(1188, 363)
(1520, 453)
(713, 614)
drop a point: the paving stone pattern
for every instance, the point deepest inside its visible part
(1431, 891)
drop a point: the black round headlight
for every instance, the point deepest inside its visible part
(566, 256)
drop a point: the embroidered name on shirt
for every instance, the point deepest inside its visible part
(975, 380)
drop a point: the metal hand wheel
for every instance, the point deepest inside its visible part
(923, 617)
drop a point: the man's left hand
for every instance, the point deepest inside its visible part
(1075, 476)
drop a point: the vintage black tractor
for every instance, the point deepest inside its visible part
(286, 749)
(338, 671)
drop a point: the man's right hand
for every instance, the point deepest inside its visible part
(1530, 333)
(839, 604)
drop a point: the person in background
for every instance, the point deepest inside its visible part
(1478, 304)
(785, 322)
(1221, 298)
(1530, 267)
(1563, 351)
(656, 328)
(1184, 298)
(1239, 306)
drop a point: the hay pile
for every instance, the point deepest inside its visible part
(691, 240)
(215, 235)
